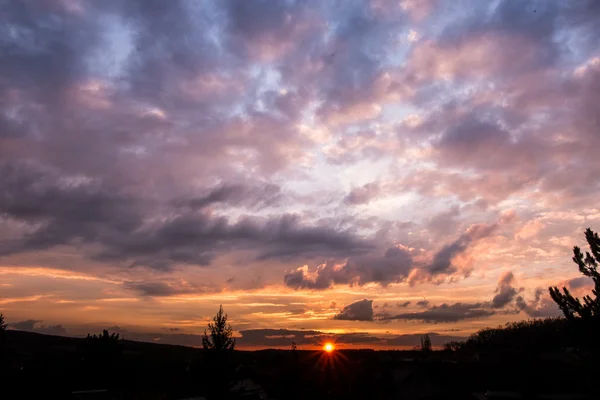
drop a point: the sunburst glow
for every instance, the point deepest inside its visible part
(329, 347)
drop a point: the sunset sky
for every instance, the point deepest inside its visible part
(363, 171)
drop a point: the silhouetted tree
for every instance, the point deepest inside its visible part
(294, 349)
(220, 337)
(218, 343)
(588, 266)
(100, 352)
(2, 324)
(3, 327)
(534, 336)
(425, 343)
(105, 342)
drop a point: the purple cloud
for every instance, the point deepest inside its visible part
(358, 311)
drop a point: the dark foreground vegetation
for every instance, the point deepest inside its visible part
(41, 366)
(534, 358)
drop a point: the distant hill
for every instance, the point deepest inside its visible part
(28, 342)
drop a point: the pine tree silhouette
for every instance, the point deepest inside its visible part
(425, 343)
(220, 337)
(3, 327)
(218, 370)
(571, 306)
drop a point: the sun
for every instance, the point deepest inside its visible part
(329, 347)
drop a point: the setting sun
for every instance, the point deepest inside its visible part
(329, 347)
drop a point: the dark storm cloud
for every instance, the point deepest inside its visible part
(445, 313)
(442, 261)
(361, 310)
(394, 266)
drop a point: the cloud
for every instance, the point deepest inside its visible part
(257, 196)
(403, 305)
(26, 325)
(363, 194)
(393, 266)
(446, 313)
(57, 330)
(63, 211)
(530, 230)
(442, 260)
(169, 288)
(31, 325)
(473, 141)
(361, 310)
(540, 306)
(445, 222)
(579, 282)
(505, 292)
(280, 27)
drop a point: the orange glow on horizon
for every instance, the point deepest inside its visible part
(329, 347)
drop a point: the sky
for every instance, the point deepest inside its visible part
(361, 171)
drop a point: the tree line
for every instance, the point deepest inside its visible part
(577, 331)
